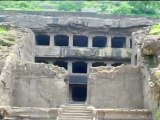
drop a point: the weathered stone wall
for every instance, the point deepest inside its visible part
(38, 85)
(26, 45)
(16, 53)
(115, 87)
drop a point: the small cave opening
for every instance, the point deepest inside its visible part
(42, 39)
(63, 64)
(118, 42)
(78, 92)
(79, 67)
(99, 41)
(80, 41)
(61, 40)
(97, 64)
(116, 64)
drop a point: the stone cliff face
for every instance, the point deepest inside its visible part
(76, 24)
(21, 80)
(148, 52)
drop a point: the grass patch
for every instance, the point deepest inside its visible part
(155, 30)
(2, 30)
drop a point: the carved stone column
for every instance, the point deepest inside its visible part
(52, 40)
(71, 40)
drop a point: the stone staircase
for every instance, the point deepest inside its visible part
(86, 112)
(75, 112)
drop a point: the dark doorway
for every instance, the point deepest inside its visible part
(61, 40)
(61, 64)
(99, 41)
(79, 67)
(78, 92)
(80, 41)
(118, 42)
(42, 39)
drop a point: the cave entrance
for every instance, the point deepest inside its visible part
(78, 92)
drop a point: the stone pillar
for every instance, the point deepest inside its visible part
(89, 65)
(109, 38)
(52, 40)
(69, 67)
(90, 41)
(70, 40)
(128, 44)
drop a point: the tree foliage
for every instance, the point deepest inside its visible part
(147, 8)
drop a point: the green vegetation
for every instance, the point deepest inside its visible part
(158, 114)
(151, 60)
(2, 30)
(155, 30)
(143, 8)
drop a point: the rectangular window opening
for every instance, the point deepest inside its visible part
(97, 64)
(63, 64)
(116, 64)
(39, 60)
(61, 40)
(79, 67)
(42, 39)
(80, 41)
(118, 42)
(99, 41)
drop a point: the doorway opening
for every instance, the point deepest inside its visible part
(78, 92)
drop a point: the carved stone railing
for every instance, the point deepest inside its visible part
(127, 114)
(79, 52)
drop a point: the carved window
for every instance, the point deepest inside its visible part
(63, 64)
(41, 60)
(99, 41)
(42, 39)
(61, 40)
(79, 67)
(116, 64)
(80, 41)
(97, 64)
(118, 42)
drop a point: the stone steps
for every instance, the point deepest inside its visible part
(85, 112)
(75, 112)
